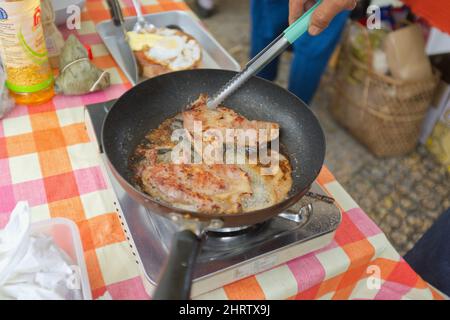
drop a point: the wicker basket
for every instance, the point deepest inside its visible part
(383, 113)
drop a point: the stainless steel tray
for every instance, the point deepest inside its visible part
(214, 55)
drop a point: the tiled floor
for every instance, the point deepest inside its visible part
(403, 195)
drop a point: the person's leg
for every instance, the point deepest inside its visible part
(268, 19)
(311, 55)
(430, 257)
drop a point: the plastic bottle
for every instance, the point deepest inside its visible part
(29, 76)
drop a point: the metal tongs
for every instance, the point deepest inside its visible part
(274, 49)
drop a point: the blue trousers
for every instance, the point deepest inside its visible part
(311, 54)
(430, 256)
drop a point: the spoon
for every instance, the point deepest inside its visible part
(274, 49)
(141, 25)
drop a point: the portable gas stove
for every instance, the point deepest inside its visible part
(227, 255)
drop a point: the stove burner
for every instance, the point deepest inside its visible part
(320, 197)
(227, 254)
(233, 232)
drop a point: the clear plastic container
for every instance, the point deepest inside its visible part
(65, 234)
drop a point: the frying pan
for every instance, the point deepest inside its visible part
(147, 105)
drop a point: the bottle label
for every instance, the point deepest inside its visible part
(22, 46)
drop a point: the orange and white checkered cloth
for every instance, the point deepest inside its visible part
(46, 157)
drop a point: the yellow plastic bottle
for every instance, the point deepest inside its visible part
(29, 76)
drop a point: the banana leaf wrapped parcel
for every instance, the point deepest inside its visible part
(77, 75)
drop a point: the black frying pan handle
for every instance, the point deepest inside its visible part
(176, 280)
(116, 12)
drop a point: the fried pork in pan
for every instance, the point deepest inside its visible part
(210, 187)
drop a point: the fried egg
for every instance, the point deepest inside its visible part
(190, 54)
(140, 41)
(177, 52)
(167, 49)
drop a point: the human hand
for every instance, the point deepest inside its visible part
(323, 15)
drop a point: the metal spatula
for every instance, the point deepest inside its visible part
(118, 44)
(269, 53)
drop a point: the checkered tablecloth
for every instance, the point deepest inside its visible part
(46, 157)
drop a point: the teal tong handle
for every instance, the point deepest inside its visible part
(301, 25)
(269, 53)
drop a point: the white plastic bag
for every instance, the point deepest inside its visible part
(32, 266)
